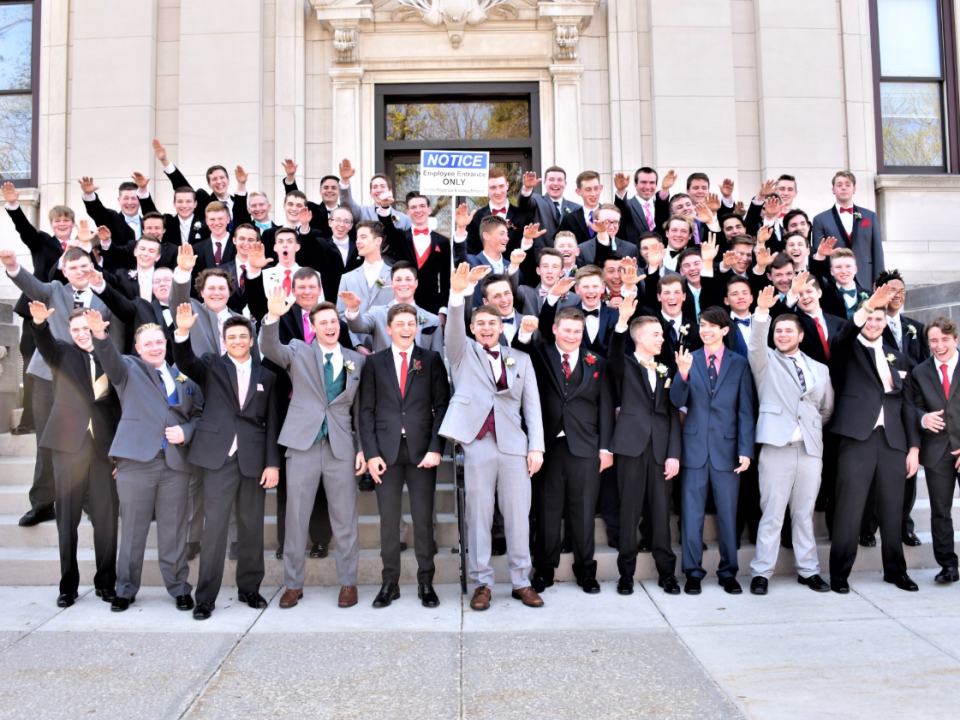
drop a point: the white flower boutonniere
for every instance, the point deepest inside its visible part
(912, 330)
(684, 329)
(662, 370)
(181, 378)
(891, 358)
(196, 225)
(509, 361)
(380, 282)
(350, 367)
(132, 274)
(857, 216)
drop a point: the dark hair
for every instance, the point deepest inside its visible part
(792, 214)
(213, 168)
(490, 280)
(555, 168)
(375, 228)
(246, 226)
(687, 252)
(75, 313)
(569, 313)
(669, 280)
(202, 278)
(614, 256)
(285, 231)
(550, 252)
(75, 253)
(491, 222)
(886, 276)
(152, 215)
(696, 176)
(644, 169)
(782, 260)
(649, 235)
(185, 189)
(789, 178)
(148, 238)
(743, 239)
(398, 309)
(486, 310)
(788, 317)
(586, 176)
(416, 194)
(795, 233)
(320, 307)
(237, 321)
(304, 273)
(295, 194)
(329, 177)
(715, 315)
(944, 324)
(738, 280)
(403, 265)
(127, 186)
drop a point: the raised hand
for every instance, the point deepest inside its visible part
(478, 273)
(562, 286)
(458, 280)
(103, 232)
(730, 259)
(289, 168)
(827, 246)
(141, 180)
(278, 303)
(87, 185)
(98, 326)
(160, 151)
(655, 256)
(709, 249)
(767, 188)
(726, 188)
(740, 209)
(350, 299)
(241, 175)
(627, 308)
(713, 202)
(598, 226)
(882, 297)
(533, 231)
(629, 275)
(40, 313)
(256, 256)
(764, 257)
(620, 182)
(306, 217)
(186, 317)
(517, 257)
(530, 180)
(684, 361)
(800, 283)
(704, 214)
(84, 233)
(763, 235)
(94, 276)
(668, 180)
(529, 324)
(186, 259)
(10, 194)
(766, 299)
(464, 217)
(9, 259)
(771, 206)
(347, 170)
(386, 200)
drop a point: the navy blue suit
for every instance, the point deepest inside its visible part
(718, 429)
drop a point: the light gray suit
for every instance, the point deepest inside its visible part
(151, 478)
(789, 471)
(373, 322)
(493, 465)
(330, 461)
(369, 212)
(355, 281)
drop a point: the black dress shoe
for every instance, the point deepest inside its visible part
(947, 575)
(232, 552)
(670, 585)
(644, 546)
(692, 586)
(184, 602)
(35, 517)
(23, 430)
(758, 586)
(814, 582)
(731, 586)
(428, 596)
(902, 581)
(120, 604)
(279, 553)
(193, 549)
(498, 546)
(912, 540)
(403, 547)
(107, 594)
(839, 585)
(567, 547)
(388, 593)
(613, 542)
(868, 540)
(65, 600)
(540, 583)
(253, 599)
(366, 483)
(319, 550)
(625, 585)
(589, 585)
(203, 611)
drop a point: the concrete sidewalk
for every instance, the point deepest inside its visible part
(878, 653)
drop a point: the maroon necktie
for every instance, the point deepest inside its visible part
(567, 371)
(243, 276)
(946, 380)
(218, 255)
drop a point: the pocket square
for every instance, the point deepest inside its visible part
(667, 383)
(903, 373)
(259, 387)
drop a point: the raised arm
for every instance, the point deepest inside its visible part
(110, 358)
(183, 354)
(28, 284)
(48, 346)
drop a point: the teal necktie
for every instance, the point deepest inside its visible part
(331, 393)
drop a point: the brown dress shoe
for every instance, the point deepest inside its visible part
(528, 596)
(290, 598)
(348, 596)
(481, 598)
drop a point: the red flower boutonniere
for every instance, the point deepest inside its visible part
(417, 367)
(596, 375)
(590, 359)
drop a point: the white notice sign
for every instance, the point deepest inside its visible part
(454, 173)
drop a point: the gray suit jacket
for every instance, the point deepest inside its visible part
(205, 334)
(369, 212)
(543, 211)
(356, 282)
(145, 410)
(374, 322)
(783, 404)
(308, 405)
(59, 297)
(475, 393)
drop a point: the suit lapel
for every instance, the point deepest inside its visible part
(588, 371)
(252, 386)
(556, 371)
(841, 232)
(234, 377)
(485, 362)
(411, 368)
(724, 369)
(856, 227)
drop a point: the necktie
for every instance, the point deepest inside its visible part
(565, 365)
(308, 333)
(712, 372)
(823, 338)
(946, 380)
(403, 373)
(556, 211)
(63, 245)
(880, 360)
(77, 299)
(649, 215)
(651, 367)
(502, 380)
(287, 283)
(592, 313)
(742, 321)
(509, 320)
(421, 231)
(499, 211)
(495, 354)
(218, 254)
(328, 384)
(800, 377)
(895, 329)
(847, 210)
(590, 229)
(543, 291)
(243, 276)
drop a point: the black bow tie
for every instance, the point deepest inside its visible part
(594, 313)
(509, 320)
(742, 321)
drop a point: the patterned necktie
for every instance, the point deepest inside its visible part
(590, 229)
(567, 370)
(649, 216)
(218, 253)
(556, 211)
(712, 372)
(945, 380)
(800, 377)
(243, 276)
(171, 399)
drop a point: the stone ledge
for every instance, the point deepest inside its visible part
(927, 183)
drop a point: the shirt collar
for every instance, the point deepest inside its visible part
(245, 365)
(574, 354)
(718, 354)
(336, 350)
(874, 344)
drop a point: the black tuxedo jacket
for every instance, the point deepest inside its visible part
(915, 347)
(754, 221)
(926, 391)
(45, 251)
(516, 221)
(633, 221)
(832, 300)
(74, 407)
(171, 227)
(136, 311)
(608, 319)
(322, 254)
(113, 219)
(418, 412)
(594, 253)
(861, 394)
(712, 291)
(205, 197)
(433, 278)
(586, 414)
(321, 216)
(576, 223)
(691, 340)
(206, 257)
(255, 425)
(645, 416)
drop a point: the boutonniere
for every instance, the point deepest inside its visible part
(662, 370)
(857, 216)
(417, 367)
(590, 359)
(181, 378)
(380, 282)
(510, 225)
(864, 296)
(912, 330)
(891, 358)
(196, 225)
(509, 361)
(395, 218)
(605, 297)
(684, 329)
(132, 274)
(421, 320)
(350, 367)
(566, 211)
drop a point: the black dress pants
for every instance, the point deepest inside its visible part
(43, 490)
(638, 478)
(941, 485)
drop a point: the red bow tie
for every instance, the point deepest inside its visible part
(423, 231)
(499, 211)
(847, 210)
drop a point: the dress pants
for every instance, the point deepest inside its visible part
(609, 502)
(726, 486)
(28, 347)
(870, 523)
(487, 472)
(145, 488)
(422, 487)
(941, 486)
(306, 469)
(827, 500)
(43, 490)
(749, 508)
(566, 480)
(224, 489)
(319, 530)
(195, 511)
(642, 484)
(76, 475)
(859, 464)
(787, 475)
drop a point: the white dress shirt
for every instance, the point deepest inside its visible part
(650, 371)
(592, 323)
(896, 327)
(344, 248)
(371, 271)
(243, 387)
(744, 329)
(168, 383)
(883, 368)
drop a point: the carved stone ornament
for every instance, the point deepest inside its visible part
(455, 15)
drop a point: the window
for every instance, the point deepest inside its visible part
(503, 119)
(915, 93)
(19, 63)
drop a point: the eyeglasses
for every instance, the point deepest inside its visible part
(900, 293)
(340, 221)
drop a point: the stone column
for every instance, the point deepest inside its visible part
(289, 92)
(567, 129)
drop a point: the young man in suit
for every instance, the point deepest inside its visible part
(381, 192)
(879, 440)
(286, 244)
(160, 409)
(566, 244)
(496, 238)
(320, 436)
(218, 180)
(371, 282)
(296, 217)
(404, 394)
(334, 256)
(819, 327)
(259, 207)
(121, 257)
(186, 225)
(589, 189)
(320, 213)
(492, 387)
(796, 401)
(679, 328)
(797, 248)
(599, 318)
(78, 435)
(425, 249)
(716, 388)
(125, 225)
(548, 209)
(549, 270)
(702, 219)
(235, 448)
(679, 232)
(218, 249)
(138, 280)
(576, 397)
(646, 443)
(644, 212)
(853, 226)
(498, 205)
(934, 396)
(605, 226)
(134, 312)
(797, 220)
